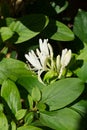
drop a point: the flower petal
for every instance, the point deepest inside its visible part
(66, 57)
(58, 63)
(33, 59)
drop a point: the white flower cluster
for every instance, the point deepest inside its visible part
(39, 60)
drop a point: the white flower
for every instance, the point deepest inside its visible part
(43, 60)
(62, 62)
(66, 57)
(39, 60)
(33, 60)
(45, 52)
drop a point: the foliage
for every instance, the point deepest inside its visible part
(54, 103)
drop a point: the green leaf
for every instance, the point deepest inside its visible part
(64, 119)
(10, 94)
(3, 122)
(62, 93)
(13, 126)
(82, 55)
(58, 8)
(20, 114)
(36, 94)
(12, 69)
(41, 106)
(58, 31)
(29, 118)
(28, 82)
(28, 128)
(30, 100)
(27, 30)
(1, 107)
(81, 72)
(6, 33)
(80, 25)
(80, 107)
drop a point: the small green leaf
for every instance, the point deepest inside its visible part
(11, 95)
(20, 114)
(29, 118)
(28, 128)
(62, 92)
(82, 55)
(30, 100)
(64, 119)
(3, 122)
(81, 72)
(50, 76)
(36, 94)
(6, 33)
(41, 106)
(13, 126)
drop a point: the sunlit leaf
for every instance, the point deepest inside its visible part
(29, 118)
(20, 114)
(62, 92)
(29, 128)
(11, 95)
(13, 125)
(36, 94)
(3, 122)
(58, 31)
(6, 33)
(11, 68)
(28, 26)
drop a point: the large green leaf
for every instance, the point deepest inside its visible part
(11, 95)
(28, 128)
(28, 82)
(11, 68)
(80, 25)
(3, 122)
(64, 119)
(62, 92)
(28, 26)
(58, 31)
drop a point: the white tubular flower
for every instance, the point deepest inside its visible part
(45, 52)
(64, 61)
(33, 60)
(58, 63)
(38, 60)
(65, 57)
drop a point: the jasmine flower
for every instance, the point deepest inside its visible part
(63, 61)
